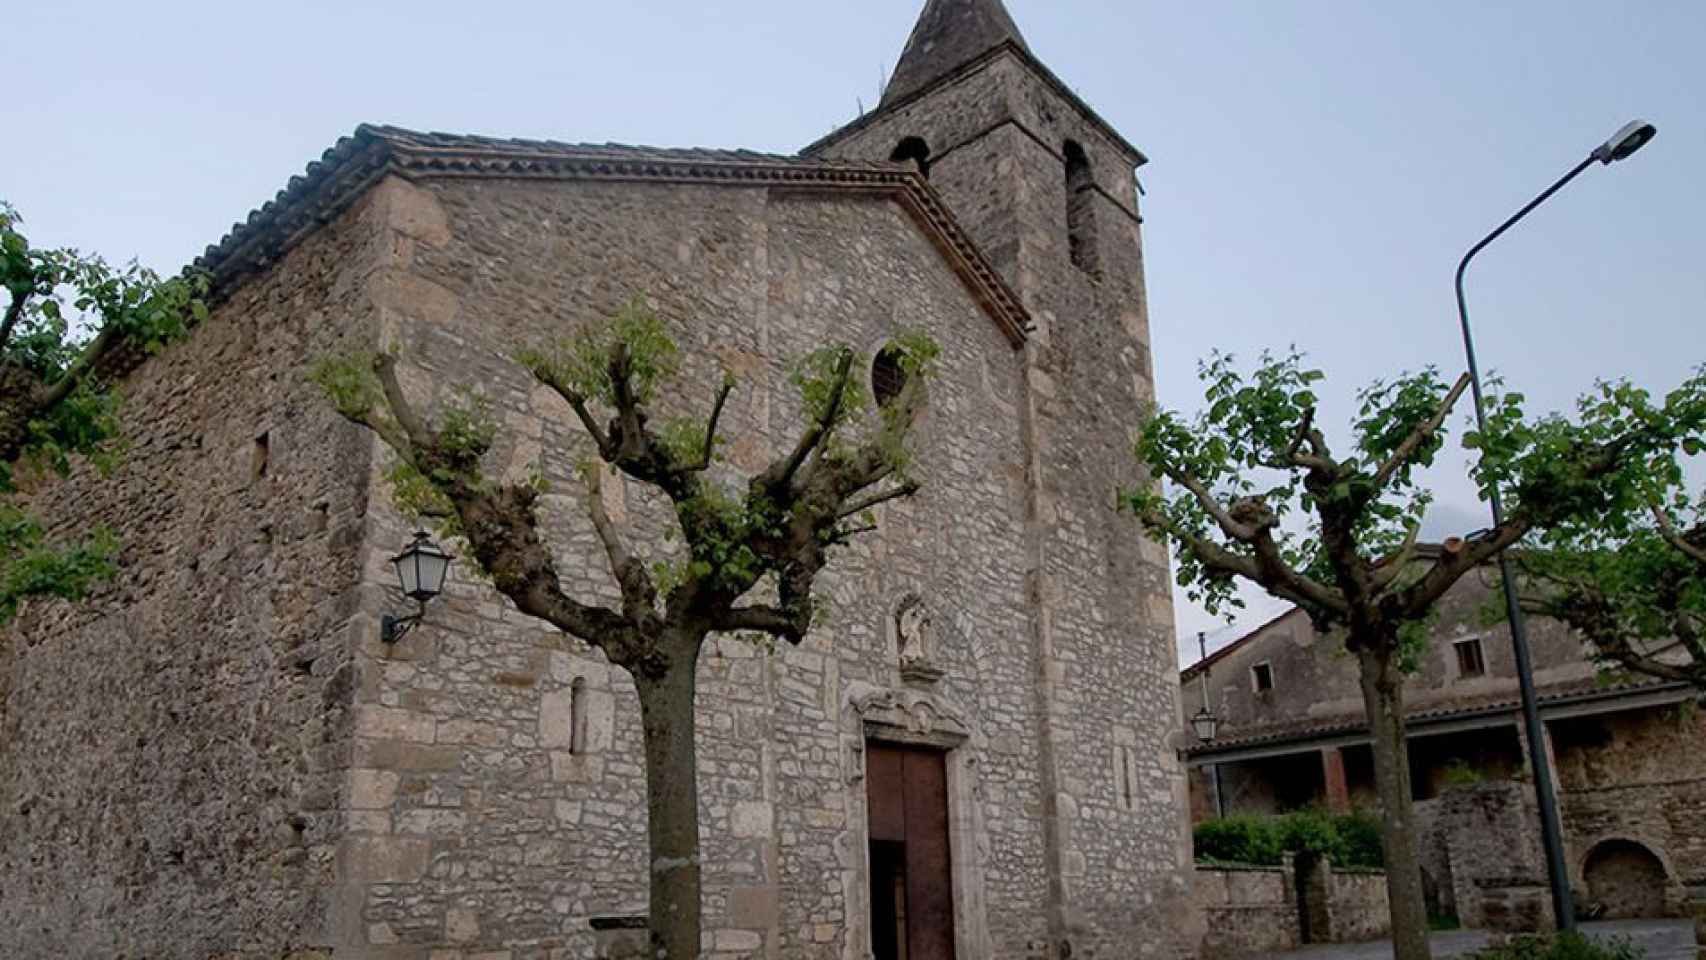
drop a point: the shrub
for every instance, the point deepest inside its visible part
(1359, 840)
(1253, 840)
(1564, 946)
(1349, 840)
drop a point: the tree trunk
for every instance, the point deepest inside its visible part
(672, 808)
(1383, 699)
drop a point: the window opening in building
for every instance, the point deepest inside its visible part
(1471, 662)
(1262, 677)
(915, 151)
(888, 378)
(577, 716)
(263, 453)
(1080, 210)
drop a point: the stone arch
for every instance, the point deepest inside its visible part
(1626, 880)
(913, 150)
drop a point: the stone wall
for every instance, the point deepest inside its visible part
(1358, 906)
(1498, 870)
(1246, 910)
(1636, 777)
(173, 752)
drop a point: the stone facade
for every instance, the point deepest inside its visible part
(255, 771)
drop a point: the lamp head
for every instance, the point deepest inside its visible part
(1205, 725)
(421, 569)
(1626, 141)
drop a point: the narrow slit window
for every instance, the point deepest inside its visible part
(262, 454)
(1080, 210)
(577, 716)
(1471, 660)
(1128, 774)
(1262, 677)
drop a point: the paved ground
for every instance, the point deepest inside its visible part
(1661, 939)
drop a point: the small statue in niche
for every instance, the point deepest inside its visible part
(913, 636)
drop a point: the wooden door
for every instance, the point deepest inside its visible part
(912, 893)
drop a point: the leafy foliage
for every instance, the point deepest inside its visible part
(68, 320)
(1630, 572)
(1349, 840)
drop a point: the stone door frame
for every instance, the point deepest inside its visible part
(913, 718)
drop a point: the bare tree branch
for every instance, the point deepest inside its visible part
(898, 493)
(1417, 599)
(1223, 562)
(781, 473)
(639, 593)
(1392, 566)
(14, 310)
(1669, 532)
(1231, 527)
(1420, 435)
(711, 426)
(764, 618)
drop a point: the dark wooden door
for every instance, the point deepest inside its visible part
(912, 892)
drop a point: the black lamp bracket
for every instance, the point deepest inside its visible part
(393, 629)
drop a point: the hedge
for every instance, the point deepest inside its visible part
(1349, 840)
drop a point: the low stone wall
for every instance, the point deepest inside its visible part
(1256, 909)
(1358, 906)
(1246, 910)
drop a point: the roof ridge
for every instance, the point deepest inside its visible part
(343, 172)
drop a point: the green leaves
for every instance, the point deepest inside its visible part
(580, 364)
(349, 382)
(34, 567)
(65, 319)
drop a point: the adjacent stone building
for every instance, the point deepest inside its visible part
(219, 757)
(1630, 778)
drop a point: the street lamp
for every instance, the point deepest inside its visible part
(421, 569)
(1622, 145)
(1205, 723)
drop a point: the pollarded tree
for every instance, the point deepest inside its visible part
(1633, 581)
(748, 553)
(1256, 493)
(69, 321)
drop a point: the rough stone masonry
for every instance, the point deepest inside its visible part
(219, 757)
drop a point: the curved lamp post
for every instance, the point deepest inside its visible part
(421, 569)
(1622, 144)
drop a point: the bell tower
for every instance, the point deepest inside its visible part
(1048, 189)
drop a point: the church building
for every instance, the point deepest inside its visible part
(975, 757)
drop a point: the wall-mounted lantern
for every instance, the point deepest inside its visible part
(421, 569)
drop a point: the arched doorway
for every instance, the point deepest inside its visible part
(1626, 879)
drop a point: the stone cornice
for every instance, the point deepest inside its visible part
(355, 163)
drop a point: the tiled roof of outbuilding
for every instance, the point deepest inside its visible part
(355, 162)
(1314, 728)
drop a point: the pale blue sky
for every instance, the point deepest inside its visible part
(1317, 167)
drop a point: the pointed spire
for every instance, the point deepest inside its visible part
(950, 34)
